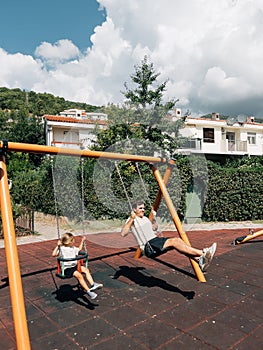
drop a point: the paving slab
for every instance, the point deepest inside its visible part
(144, 304)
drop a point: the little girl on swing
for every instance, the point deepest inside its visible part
(65, 248)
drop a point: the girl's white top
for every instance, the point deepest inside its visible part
(69, 252)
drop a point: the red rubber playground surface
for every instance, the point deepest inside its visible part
(144, 304)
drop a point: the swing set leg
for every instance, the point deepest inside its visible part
(138, 253)
(248, 237)
(156, 204)
(199, 274)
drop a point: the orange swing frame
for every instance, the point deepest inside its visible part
(13, 267)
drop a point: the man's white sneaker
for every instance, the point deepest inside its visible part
(201, 262)
(207, 256)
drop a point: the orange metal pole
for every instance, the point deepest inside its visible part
(157, 201)
(14, 276)
(31, 148)
(166, 178)
(176, 220)
(248, 237)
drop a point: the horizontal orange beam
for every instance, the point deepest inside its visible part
(33, 148)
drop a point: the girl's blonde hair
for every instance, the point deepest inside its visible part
(67, 238)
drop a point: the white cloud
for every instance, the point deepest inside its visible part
(216, 83)
(19, 70)
(211, 52)
(61, 51)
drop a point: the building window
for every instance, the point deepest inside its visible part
(251, 138)
(209, 135)
(71, 136)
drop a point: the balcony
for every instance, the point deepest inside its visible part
(191, 144)
(225, 146)
(233, 146)
(64, 144)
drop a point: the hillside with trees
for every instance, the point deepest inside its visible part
(37, 104)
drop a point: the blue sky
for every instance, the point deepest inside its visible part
(25, 24)
(209, 51)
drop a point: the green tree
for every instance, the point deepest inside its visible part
(140, 126)
(143, 116)
(146, 94)
(26, 129)
(146, 98)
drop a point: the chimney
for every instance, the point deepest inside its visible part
(251, 119)
(215, 116)
(177, 112)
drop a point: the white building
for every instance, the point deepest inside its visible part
(235, 136)
(73, 128)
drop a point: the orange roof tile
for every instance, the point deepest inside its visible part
(62, 119)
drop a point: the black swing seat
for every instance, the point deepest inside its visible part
(82, 259)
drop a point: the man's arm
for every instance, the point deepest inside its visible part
(152, 218)
(127, 227)
(155, 224)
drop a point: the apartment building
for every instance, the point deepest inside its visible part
(236, 136)
(73, 128)
(214, 137)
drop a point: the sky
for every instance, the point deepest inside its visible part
(210, 52)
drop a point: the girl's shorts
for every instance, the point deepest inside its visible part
(69, 271)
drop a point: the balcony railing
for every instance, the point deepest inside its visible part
(65, 144)
(224, 146)
(233, 146)
(194, 144)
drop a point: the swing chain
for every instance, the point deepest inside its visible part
(82, 203)
(139, 230)
(55, 195)
(143, 184)
(123, 185)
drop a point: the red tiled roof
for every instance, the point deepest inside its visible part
(57, 118)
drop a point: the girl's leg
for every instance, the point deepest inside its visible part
(88, 275)
(81, 280)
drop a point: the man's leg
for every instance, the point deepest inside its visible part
(181, 247)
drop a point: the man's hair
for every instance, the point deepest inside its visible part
(137, 203)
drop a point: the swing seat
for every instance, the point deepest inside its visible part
(82, 259)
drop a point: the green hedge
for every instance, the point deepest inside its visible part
(230, 193)
(234, 194)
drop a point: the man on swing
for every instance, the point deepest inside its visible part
(145, 232)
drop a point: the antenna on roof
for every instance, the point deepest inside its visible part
(241, 118)
(231, 120)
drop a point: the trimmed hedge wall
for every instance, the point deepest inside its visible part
(232, 192)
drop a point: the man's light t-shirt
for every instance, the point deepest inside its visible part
(142, 230)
